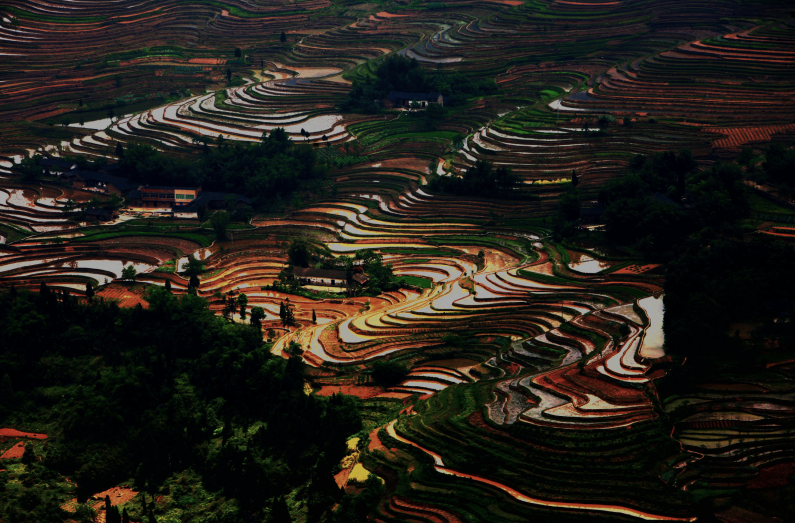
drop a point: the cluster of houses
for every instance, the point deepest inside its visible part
(180, 202)
(327, 277)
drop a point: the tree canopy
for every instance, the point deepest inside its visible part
(664, 199)
(481, 179)
(272, 168)
(145, 390)
(398, 73)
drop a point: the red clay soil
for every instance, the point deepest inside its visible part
(396, 395)
(375, 441)
(424, 510)
(741, 515)
(636, 269)
(118, 495)
(773, 476)
(360, 391)
(14, 452)
(739, 136)
(13, 433)
(124, 294)
(341, 478)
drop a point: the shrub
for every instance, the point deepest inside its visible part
(388, 373)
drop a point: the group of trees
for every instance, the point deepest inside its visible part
(272, 168)
(381, 278)
(141, 393)
(287, 314)
(481, 179)
(389, 373)
(778, 165)
(711, 286)
(398, 73)
(663, 200)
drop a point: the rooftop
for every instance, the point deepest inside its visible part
(57, 162)
(93, 211)
(170, 188)
(122, 184)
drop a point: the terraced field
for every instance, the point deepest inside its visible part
(532, 383)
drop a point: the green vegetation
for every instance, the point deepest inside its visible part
(730, 282)
(270, 169)
(161, 392)
(398, 73)
(483, 180)
(645, 208)
(106, 234)
(389, 373)
(417, 281)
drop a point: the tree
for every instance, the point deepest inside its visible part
(228, 75)
(256, 317)
(29, 168)
(314, 316)
(481, 179)
(434, 112)
(325, 139)
(779, 163)
(283, 38)
(279, 511)
(125, 518)
(388, 373)
(193, 266)
(6, 387)
(355, 508)
(574, 179)
(119, 150)
(237, 52)
(129, 273)
(28, 456)
(230, 306)
(168, 285)
(289, 318)
(85, 514)
(298, 252)
(89, 291)
(569, 206)
(242, 302)
(568, 214)
(745, 156)
(15, 23)
(282, 314)
(80, 103)
(220, 223)
(111, 512)
(194, 281)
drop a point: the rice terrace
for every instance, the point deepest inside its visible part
(415, 261)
